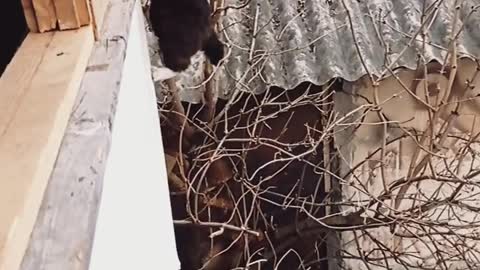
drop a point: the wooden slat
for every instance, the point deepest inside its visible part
(67, 14)
(62, 237)
(83, 11)
(30, 16)
(32, 134)
(45, 14)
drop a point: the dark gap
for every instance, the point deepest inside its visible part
(14, 31)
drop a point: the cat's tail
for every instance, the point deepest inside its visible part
(213, 48)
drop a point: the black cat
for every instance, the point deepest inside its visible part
(184, 27)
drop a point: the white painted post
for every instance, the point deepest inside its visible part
(134, 227)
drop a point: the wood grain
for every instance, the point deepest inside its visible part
(30, 16)
(45, 14)
(62, 237)
(32, 129)
(83, 11)
(67, 14)
(18, 75)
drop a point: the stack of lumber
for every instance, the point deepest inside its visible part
(47, 15)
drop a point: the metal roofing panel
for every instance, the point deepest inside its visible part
(286, 42)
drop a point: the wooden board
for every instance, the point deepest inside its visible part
(32, 128)
(83, 11)
(67, 14)
(45, 14)
(65, 227)
(30, 16)
(30, 53)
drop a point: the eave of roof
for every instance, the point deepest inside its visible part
(285, 42)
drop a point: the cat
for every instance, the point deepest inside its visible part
(184, 27)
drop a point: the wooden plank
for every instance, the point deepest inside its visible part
(67, 14)
(30, 140)
(62, 237)
(45, 14)
(72, 14)
(30, 16)
(17, 77)
(83, 11)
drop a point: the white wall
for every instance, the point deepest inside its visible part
(134, 227)
(369, 180)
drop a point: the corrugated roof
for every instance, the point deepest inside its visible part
(286, 42)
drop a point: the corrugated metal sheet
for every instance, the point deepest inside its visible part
(286, 42)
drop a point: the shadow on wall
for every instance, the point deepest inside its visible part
(14, 32)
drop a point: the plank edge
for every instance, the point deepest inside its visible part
(15, 245)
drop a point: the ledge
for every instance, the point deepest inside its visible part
(37, 93)
(65, 225)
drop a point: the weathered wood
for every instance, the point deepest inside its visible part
(72, 14)
(45, 14)
(13, 86)
(30, 16)
(98, 10)
(32, 134)
(17, 78)
(63, 234)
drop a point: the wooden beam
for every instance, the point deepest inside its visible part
(83, 11)
(17, 78)
(32, 128)
(62, 237)
(30, 16)
(72, 14)
(45, 14)
(67, 14)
